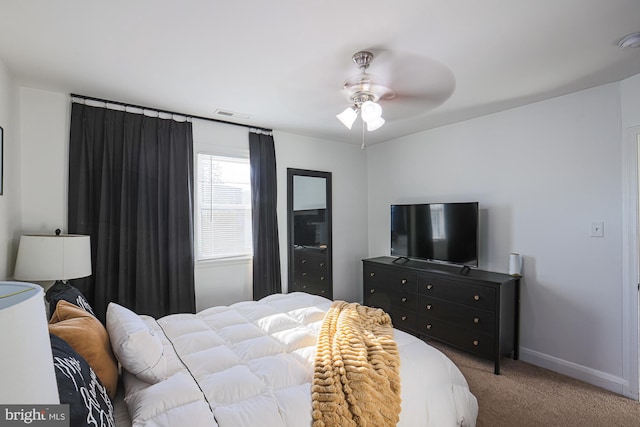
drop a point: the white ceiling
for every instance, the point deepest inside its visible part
(283, 62)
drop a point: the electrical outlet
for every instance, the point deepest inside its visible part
(597, 229)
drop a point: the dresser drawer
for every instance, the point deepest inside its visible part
(315, 288)
(478, 296)
(311, 261)
(393, 279)
(378, 298)
(310, 266)
(475, 342)
(382, 297)
(406, 320)
(315, 276)
(475, 319)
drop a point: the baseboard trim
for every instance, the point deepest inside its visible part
(592, 376)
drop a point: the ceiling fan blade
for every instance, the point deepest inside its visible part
(420, 83)
(410, 106)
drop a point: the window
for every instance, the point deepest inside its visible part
(223, 207)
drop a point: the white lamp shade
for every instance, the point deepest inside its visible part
(26, 361)
(375, 124)
(347, 117)
(371, 112)
(49, 257)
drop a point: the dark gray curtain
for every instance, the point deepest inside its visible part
(131, 190)
(266, 252)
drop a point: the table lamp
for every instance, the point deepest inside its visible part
(59, 257)
(26, 367)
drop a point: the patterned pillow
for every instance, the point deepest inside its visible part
(80, 387)
(64, 291)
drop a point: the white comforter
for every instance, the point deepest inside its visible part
(251, 364)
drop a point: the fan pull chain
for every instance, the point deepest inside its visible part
(362, 146)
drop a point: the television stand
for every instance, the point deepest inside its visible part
(474, 310)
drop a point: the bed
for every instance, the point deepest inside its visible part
(252, 363)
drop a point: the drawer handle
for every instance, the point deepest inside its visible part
(476, 297)
(428, 306)
(404, 299)
(372, 291)
(429, 287)
(372, 274)
(404, 317)
(428, 325)
(476, 320)
(404, 281)
(304, 274)
(322, 264)
(304, 286)
(322, 291)
(321, 277)
(304, 261)
(476, 342)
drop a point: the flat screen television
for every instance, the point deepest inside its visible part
(437, 232)
(310, 228)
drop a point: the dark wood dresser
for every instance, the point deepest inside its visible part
(311, 272)
(471, 309)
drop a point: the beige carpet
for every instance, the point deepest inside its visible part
(526, 395)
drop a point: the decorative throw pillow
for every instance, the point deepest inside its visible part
(89, 338)
(61, 291)
(137, 347)
(80, 387)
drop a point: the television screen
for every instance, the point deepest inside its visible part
(442, 232)
(309, 228)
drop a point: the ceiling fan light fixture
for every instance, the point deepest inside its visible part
(371, 112)
(363, 93)
(376, 124)
(348, 116)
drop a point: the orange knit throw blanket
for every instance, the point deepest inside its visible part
(356, 379)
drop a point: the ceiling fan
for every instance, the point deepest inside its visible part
(364, 92)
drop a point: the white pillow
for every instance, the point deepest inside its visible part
(137, 347)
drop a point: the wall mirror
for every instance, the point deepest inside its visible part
(309, 232)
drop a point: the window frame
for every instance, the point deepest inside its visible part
(198, 212)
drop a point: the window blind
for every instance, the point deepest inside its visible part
(224, 207)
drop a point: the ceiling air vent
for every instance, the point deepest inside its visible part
(227, 113)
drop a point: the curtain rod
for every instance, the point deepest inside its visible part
(124, 104)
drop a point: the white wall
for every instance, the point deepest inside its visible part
(347, 164)
(542, 173)
(44, 124)
(630, 93)
(10, 200)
